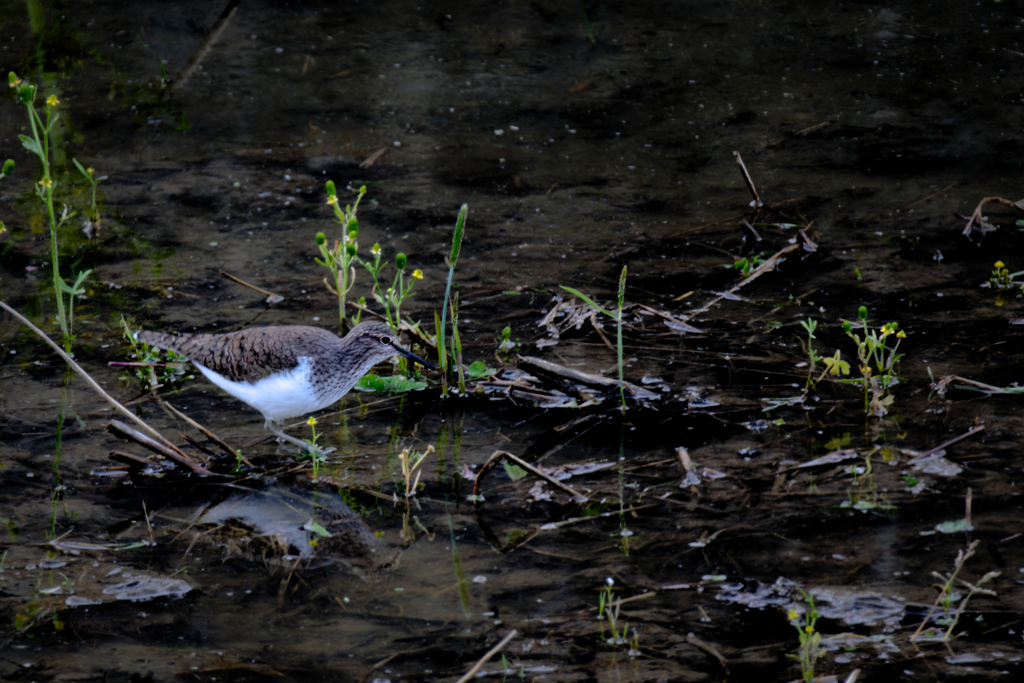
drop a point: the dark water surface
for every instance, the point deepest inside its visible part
(869, 126)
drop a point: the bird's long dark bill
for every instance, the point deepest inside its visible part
(412, 356)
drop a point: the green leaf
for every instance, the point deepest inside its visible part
(836, 366)
(515, 472)
(30, 144)
(479, 370)
(396, 384)
(953, 527)
(81, 169)
(316, 528)
(590, 302)
(460, 227)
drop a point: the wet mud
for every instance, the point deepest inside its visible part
(746, 490)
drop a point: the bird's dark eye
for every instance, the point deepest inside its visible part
(385, 340)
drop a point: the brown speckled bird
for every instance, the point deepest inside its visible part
(285, 371)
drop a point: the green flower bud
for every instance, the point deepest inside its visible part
(353, 228)
(862, 312)
(8, 167)
(25, 94)
(362, 190)
(12, 78)
(400, 261)
(321, 239)
(330, 188)
(350, 249)
(847, 326)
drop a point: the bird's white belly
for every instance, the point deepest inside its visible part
(285, 394)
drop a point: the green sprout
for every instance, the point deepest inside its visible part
(316, 454)
(340, 257)
(748, 264)
(39, 144)
(506, 346)
(811, 325)
(608, 610)
(615, 315)
(1002, 280)
(810, 639)
(149, 366)
(400, 289)
(877, 362)
(92, 226)
(440, 323)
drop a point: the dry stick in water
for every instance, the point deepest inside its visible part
(181, 457)
(209, 435)
(200, 54)
(271, 297)
(498, 455)
(976, 221)
(757, 203)
(943, 446)
(490, 653)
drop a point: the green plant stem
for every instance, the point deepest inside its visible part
(460, 225)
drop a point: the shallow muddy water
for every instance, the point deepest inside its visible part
(585, 139)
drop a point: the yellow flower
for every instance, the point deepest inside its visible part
(52, 101)
(375, 250)
(809, 629)
(999, 264)
(901, 335)
(46, 182)
(3, 228)
(89, 171)
(417, 274)
(311, 421)
(332, 200)
(793, 615)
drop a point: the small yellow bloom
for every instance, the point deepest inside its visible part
(901, 335)
(999, 264)
(89, 171)
(332, 200)
(311, 421)
(809, 629)
(46, 182)
(793, 615)
(375, 250)
(417, 274)
(52, 101)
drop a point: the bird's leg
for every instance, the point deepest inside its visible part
(276, 428)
